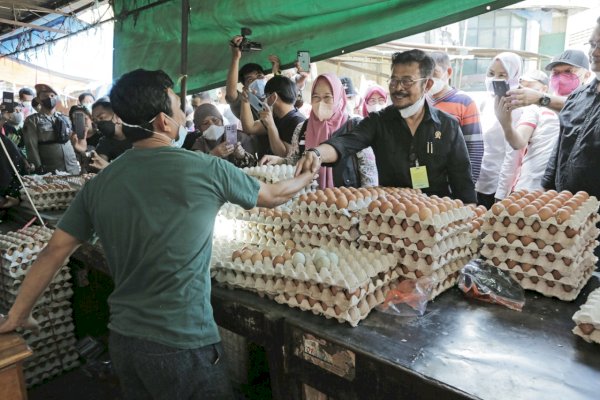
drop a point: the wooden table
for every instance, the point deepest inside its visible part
(13, 350)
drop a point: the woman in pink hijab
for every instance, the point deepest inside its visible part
(329, 118)
(375, 100)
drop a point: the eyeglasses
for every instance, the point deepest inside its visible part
(324, 99)
(593, 45)
(406, 83)
(373, 101)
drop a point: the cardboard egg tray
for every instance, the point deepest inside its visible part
(455, 216)
(551, 288)
(262, 238)
(352, 316)
(49, 367)
(271, 173)
(579, 217)
(435, 250)
(539, 246)
(417, 230)
(51, 345)
(587, 318)
(439, 274)
(325, 218)
(322, 240)
(556, 266)
(257, 215)
(350, 235)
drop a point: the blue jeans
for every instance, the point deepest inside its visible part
(149, 370)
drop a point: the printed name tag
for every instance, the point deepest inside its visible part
(418, 175)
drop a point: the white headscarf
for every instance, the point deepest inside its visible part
(513, 64)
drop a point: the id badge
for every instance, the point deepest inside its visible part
(418, 175)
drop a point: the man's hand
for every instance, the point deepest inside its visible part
(523, 97)
(275, 63)
(80, 145)
(266, 116)
(503, 110)
(234, 44)
(308, 162)
(271, 160)
(9, 323)
(223, 150)
(245, 95)
(239, 152)
(98, 162)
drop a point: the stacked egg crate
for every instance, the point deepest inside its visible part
(431, 237)
(53, 344)
(344, 284)
(52, 192)
(587, 318)
(330, 217)
(260, 226)
(545, 240)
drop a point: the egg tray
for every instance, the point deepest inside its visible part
(540, 246)
(572, 279)
(439, 274)
(446, 284)
(271, 231)
(436, 250)
(30, 239)
(35, 379)
(325, 218)
(587, 318)
(437, 221)
(17, 271)
(271, 173)
(49, 296)
(564, 266)
(349, 234)
(322, 207)
(588, 209)
(566, 238)
(352, 316)
(258, 215)
(49, 341)
(553, 289)
(48, 362)
(59, 330)
(51, 345)
(261, 238)
(429, 236)
(321, 240)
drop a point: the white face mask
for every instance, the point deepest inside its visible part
(27, 104)
(438, 86)
(214, 132)
(323, 111)
(181, 132)
(375, 107)
(258, 87)
(413, 109)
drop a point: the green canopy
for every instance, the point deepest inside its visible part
(148, 32)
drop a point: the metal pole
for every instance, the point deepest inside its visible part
(185, 17)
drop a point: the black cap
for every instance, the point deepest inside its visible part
(348, 86)
(26, 91)
(576, 58)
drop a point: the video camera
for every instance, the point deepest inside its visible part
(247, 45)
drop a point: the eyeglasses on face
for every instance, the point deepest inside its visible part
(373, 101)
(406, 83)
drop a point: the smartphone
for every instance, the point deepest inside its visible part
(8, 101)
(255, 102)
(231, 134)
(79, 124)
(500, 88)
(304, 60)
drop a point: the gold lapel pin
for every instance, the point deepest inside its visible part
(438, 135)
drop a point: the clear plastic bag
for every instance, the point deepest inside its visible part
(488, 283)
(408, 298)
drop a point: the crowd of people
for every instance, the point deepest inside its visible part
(156, 220)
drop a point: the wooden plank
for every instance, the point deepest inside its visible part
(12, 349)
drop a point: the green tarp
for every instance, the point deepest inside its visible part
(148, 32)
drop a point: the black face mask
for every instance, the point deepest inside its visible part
(49, 103)
(107, 128)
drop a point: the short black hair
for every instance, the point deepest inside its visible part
(103, 102)
(83, 95)
(249, 68)
(137, 97)
(440, 58)
(284, 87)
(27, 92)
(426, 63)
(202, 96)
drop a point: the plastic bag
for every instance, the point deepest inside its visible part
(408, 298)
(488, 283)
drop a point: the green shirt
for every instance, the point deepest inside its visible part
(154, 212)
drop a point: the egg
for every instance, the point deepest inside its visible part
(526, 240)
(545, 213)
(257, 257)
(341, 202)
(570, 232)
(411, 210)
(265, 253)
(398, 208)
(511, 237)
(506, 221)
(374, 204)
(385, 205)
(246, 255)
(557, 247)
(529, 210)
(278, 260)
(496, 236)
(289, 244)
(563, 215)
(536, 226)
(513, 209)
(540, 243)
(236, 254)
(417, 227)
(425, 213)
(298, 258)
(300, 298)
(552, 229)
(497, 209)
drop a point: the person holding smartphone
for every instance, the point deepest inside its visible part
(499, 163)
(220, 141)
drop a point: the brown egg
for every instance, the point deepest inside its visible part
(552, 193)
(511, 237)
(373, 205)
(540, 244)
(506, 203)
(351, 197)
(545, 213)
(497, 208)
(412, 209)
(257, 257)
(236, 254)
(563, 215)
(506, 221)
(277, 260)
(522, 203)
(552, 229)
(529, 210)
(398, 207)
(513, 209)
(246, 255)
(300, 298)
(312, 302)
(385, 205)
(425, 213)
(342, 202)
(337, 310)
(265, 253)
(536, 226)
(511, 264)
(303, 198)
(496, 261)
(570, 232)
(417, 227)
(289, 244)
(526, 240)
(557, 247)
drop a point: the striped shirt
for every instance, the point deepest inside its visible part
(461, 106)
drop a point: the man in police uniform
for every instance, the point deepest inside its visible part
(47, 136)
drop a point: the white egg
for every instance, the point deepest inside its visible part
(298, 258)
(322, 262)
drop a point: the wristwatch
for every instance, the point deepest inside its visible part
(314, 150)
(544, 101)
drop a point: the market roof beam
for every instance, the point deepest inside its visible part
(23, 5)
(32, 26)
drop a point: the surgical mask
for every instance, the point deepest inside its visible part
(564, 83)
(107, 128)
(323, 111)
(49, 103)
(375, 107)
(16, 119)
(258, 88)
(214, 132)
(182, 132)
(27, 104)
(413, 109)
(438, 86)
(88, 107)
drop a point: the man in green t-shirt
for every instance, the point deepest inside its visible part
(154, 210)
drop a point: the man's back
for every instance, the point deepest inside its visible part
(155, 221)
